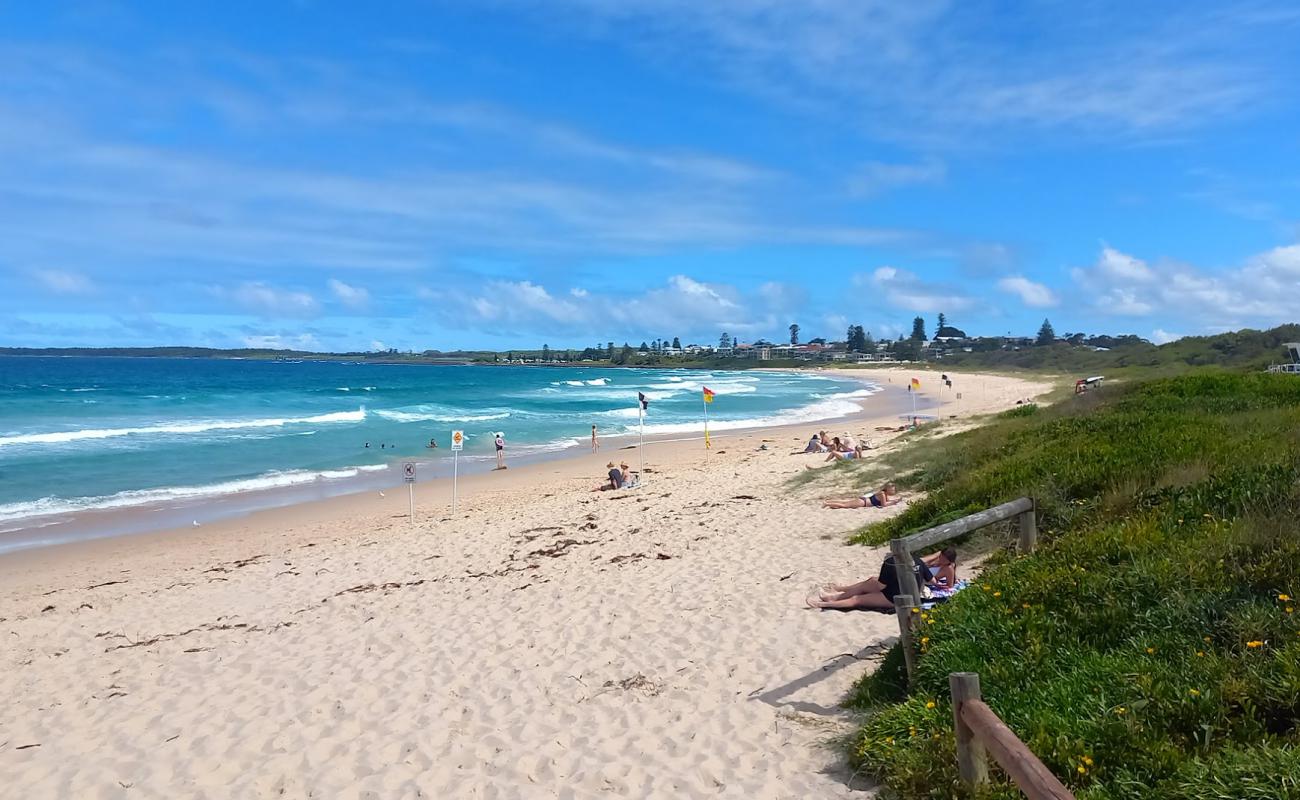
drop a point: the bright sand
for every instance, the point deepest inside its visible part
(546, 642)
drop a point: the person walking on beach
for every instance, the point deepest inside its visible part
(501, 450)
(595, 442)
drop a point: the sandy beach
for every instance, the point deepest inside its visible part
(545, 642)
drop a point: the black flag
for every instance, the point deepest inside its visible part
(645, 401)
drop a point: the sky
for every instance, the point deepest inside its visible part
(512, 173)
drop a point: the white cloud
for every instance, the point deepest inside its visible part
(269, 301)
(908, 291)
(62, 282)
(875, 177)
(578, 292)
(303, 341)
(933, 69)
(1032, 294)
(682, 306)
(1259, 293)
(378, 346)
(1162, 336)
(353, 297)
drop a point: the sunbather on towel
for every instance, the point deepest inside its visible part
(616, 479)
(886, 496)
(878, 593)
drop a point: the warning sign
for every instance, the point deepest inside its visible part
(458, 440)
(408, 471)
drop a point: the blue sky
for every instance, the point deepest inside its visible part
(506, 174)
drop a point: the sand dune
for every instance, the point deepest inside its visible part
(547, 642)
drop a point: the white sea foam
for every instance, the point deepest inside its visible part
(269, 480)
(822, 409)
(438, 414)
(198, 426)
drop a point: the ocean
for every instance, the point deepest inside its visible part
(88, 434)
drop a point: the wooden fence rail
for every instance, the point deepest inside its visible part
(908, 601)
(980, 732)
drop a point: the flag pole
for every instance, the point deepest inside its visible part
(640, 412)
(705, 400)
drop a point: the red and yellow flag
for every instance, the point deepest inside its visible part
(708, 395)
(916, 385)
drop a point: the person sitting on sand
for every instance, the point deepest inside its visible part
(886, 496)
(631, 480)
(815, 445)
(943, 566)
(878, 593)
(616, 479)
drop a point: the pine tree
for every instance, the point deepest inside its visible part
(609, 351)
(546, 352)
(724, 343)
(1045, 334)
(918, 329)
(943, 323)
(645, 348)
(677, 343)
(794, 333)
(868, 343)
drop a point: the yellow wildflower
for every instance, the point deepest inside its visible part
(1284, 597)
(1024, 605)
(916, 610)
(925, 640)
(1200, 653)
(1254, 643)
(1150, 650)
(1194, 692)
(997, 594)
(1206, 638)
(1083, 770)
(1121, 711)
(1087, 760)
(1289, 609)
(985, 587)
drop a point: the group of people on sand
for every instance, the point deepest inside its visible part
(936, 573)
(620, 477)
(837, 448)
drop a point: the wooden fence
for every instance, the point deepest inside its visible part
(980, 733)
(907, 603)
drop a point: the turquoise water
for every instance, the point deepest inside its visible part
(80, 434)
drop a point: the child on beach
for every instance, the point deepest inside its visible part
(886, 496)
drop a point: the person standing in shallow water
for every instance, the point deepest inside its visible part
(501, 450)
(595, 442)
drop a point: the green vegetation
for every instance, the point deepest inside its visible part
(1151, 647)
(1130, 356)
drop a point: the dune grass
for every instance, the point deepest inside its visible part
(1151, 647)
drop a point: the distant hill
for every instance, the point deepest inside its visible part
(1239, 350)
(388, 357)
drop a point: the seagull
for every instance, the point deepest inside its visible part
(381, 494)
(196, 523)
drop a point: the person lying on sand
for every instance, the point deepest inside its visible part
(887, 495)
(879, 593)
(847, 455)
(616, 479)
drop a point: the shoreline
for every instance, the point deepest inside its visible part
(547, 641)
(90, 524)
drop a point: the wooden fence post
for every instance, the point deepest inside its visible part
(1028, 525)
(903, 605)
(903, 567)
(972, 761)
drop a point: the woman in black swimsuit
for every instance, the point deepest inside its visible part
(887, 496)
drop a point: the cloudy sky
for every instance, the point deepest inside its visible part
(506, 174)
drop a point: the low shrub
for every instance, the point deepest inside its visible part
(1151, 647)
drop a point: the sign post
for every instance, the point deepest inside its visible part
(457, 444)
(408, 472)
